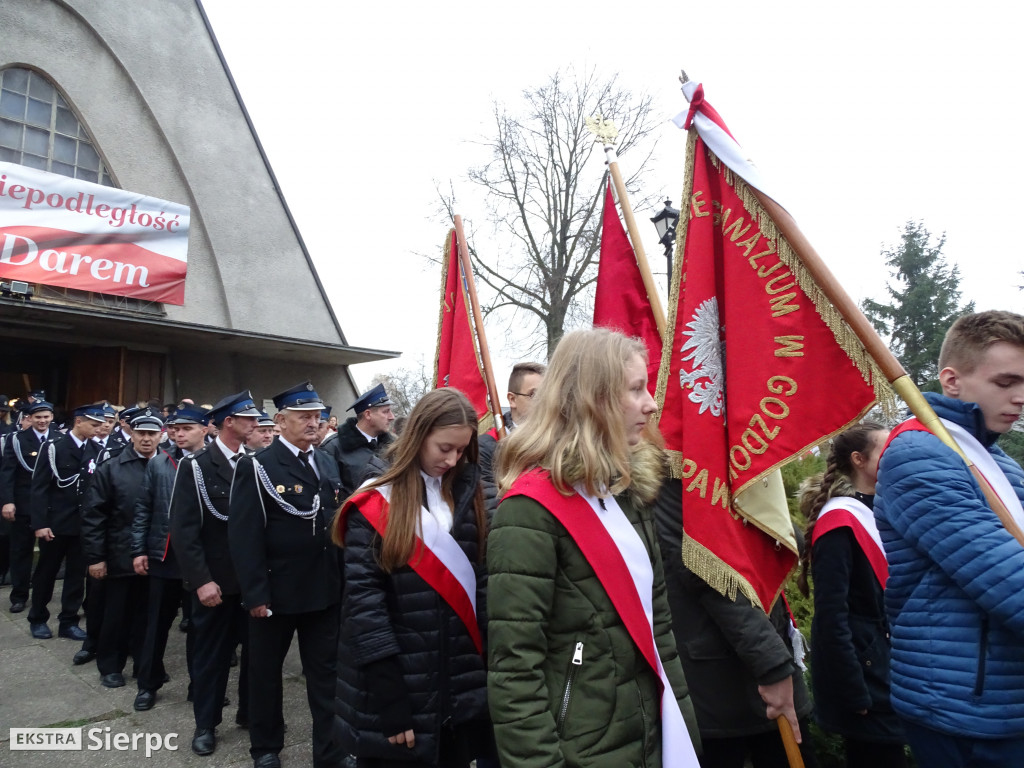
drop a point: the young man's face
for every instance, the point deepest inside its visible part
(521, 402)
(41, 420)
(996, 384)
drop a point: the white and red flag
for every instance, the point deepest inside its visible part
(70, 233)
(621, 301)
(758, 367)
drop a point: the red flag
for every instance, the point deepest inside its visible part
(457, 363)
(760, 369)
(621, 301)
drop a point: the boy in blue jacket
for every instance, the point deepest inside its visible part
(955, 595)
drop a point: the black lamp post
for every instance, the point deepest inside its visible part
(665, 222)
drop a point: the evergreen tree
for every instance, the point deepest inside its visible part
(924, 300)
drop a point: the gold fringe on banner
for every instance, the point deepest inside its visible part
(678, 278)
(446, 255)
(720, 577)
(844, 335)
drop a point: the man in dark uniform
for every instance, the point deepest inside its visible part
(102, 438)
(199, 534)
(282, 501)
(362, 437)
(155, 557)
(21, 449)
(263, 435)
(59, 480)
(6, 428)
(121, 434)
(107, 515)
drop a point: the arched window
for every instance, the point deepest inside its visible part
(39, 129)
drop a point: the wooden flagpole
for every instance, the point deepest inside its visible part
(887, 362)
(478, 321)
(891, 368)
(606, 133)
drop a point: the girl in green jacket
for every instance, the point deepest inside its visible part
(583, 669)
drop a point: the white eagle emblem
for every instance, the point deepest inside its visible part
(706, 378)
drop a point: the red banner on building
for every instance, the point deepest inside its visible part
(457, 362)
(75, 234)
(761, 368)
(621, 301)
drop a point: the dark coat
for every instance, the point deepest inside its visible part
(283, 561)
(351, 452)
(728, 647)
(108, 512)
(488, 446)
(850, 642)
(200, 538)
(15, 479)
(151, 528)
(57, 498)
(402, 644)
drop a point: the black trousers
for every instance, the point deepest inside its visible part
(216, 631)
(161, 609)
(765, 750)
(269, 640)
(5, 550)
(872, 754)
(66, 549)
(23, 543)
(123, 627)
(95, 604)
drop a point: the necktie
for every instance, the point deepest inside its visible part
(304, 457)
(42, 439)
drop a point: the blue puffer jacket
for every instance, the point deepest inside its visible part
(955, 596)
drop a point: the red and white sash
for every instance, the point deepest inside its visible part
(847, 512)
(437, 558)
(621, 563)
(980, 457)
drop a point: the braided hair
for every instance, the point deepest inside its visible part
(834, 481)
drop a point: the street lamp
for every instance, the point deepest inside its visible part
(665, 222)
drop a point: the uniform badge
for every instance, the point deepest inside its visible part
(309, 387)
(33, 453)
(280, 489)
(298, 489)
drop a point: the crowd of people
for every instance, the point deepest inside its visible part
(522, 601)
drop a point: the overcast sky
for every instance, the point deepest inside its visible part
(860, 117)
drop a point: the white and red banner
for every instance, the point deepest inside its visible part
(75, 234)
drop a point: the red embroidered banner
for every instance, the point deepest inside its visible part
(74, 234)
(759, 370)
(457, 362)
(621, 300)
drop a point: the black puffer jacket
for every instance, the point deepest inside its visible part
(403, 648)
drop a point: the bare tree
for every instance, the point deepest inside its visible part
(405, 386)
(544, 189)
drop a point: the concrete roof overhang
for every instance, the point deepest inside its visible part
(91, 326)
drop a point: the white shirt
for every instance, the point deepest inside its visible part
(436, 504)
(228, 453)
(296, 451)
